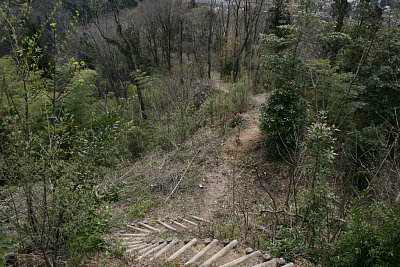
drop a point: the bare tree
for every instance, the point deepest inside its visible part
(126, 47)
(150, 28)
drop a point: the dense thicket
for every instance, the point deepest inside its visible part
(345, 69)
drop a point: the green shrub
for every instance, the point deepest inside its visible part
(81, 103)
(289, 244)
(235, 121)
(137, 141)
(4, 247)
(365, 149)
(223, 109)
(216, 109)
(231, 230)
(173, 129)
(140, 209)
(283, 117)
(239, 95)
(371, 238)
(88, 236)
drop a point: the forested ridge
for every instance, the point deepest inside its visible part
(277, 120)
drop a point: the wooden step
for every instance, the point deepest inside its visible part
(165, 249)
(202, 252)
(139, 229)
(188, 221)
(220, 253)
(144, 250)
(179, 224)
(138, 247)
(182, 249)
(270, 263)
(149, 227)
(128, 243)
(242, 259)
(199, 219)
(157, 248)
(134, 235)
(166, 225)
(133, 238)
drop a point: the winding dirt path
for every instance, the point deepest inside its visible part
(217, 174)
(241, 143)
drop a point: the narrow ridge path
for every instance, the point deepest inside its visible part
(236, 147)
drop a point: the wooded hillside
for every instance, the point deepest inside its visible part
(275, 120)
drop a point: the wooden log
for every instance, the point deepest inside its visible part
(138, 229)
(188, 221)
(144, 250)
(242, 259)
(137, 247)
(166, 225)
(149, 227)
(179, 224)
(202, 252)
(270, 263)
(134, 235)
(220, 253)
(160, 246)
(165, 249)
(199, 219)
(182, 250)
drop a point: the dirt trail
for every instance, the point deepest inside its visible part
(241, 143)
(216, 170)
(218, 83)
(248, 135)
(214, 167)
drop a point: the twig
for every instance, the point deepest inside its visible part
(283, 211)
(393, 145)
(164, 161)
(182, 175)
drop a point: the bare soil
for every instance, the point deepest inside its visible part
(240, 144)
(217, 181)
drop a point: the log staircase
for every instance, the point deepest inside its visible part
(158, 242)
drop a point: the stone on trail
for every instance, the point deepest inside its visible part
(225, 241)
(248, 250)
(267, 257)
(280, 261)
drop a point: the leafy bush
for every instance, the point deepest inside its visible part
(216, 109)
(371, 238)
(139, 209)
(223, 108)
(235, 121)
(93, 224)
(239, 95)
(283, 118)
(107, 139)
(289, 244)
(68, 164)
(137, 141)
(4, 247)
(81, 103)
(365, 149)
